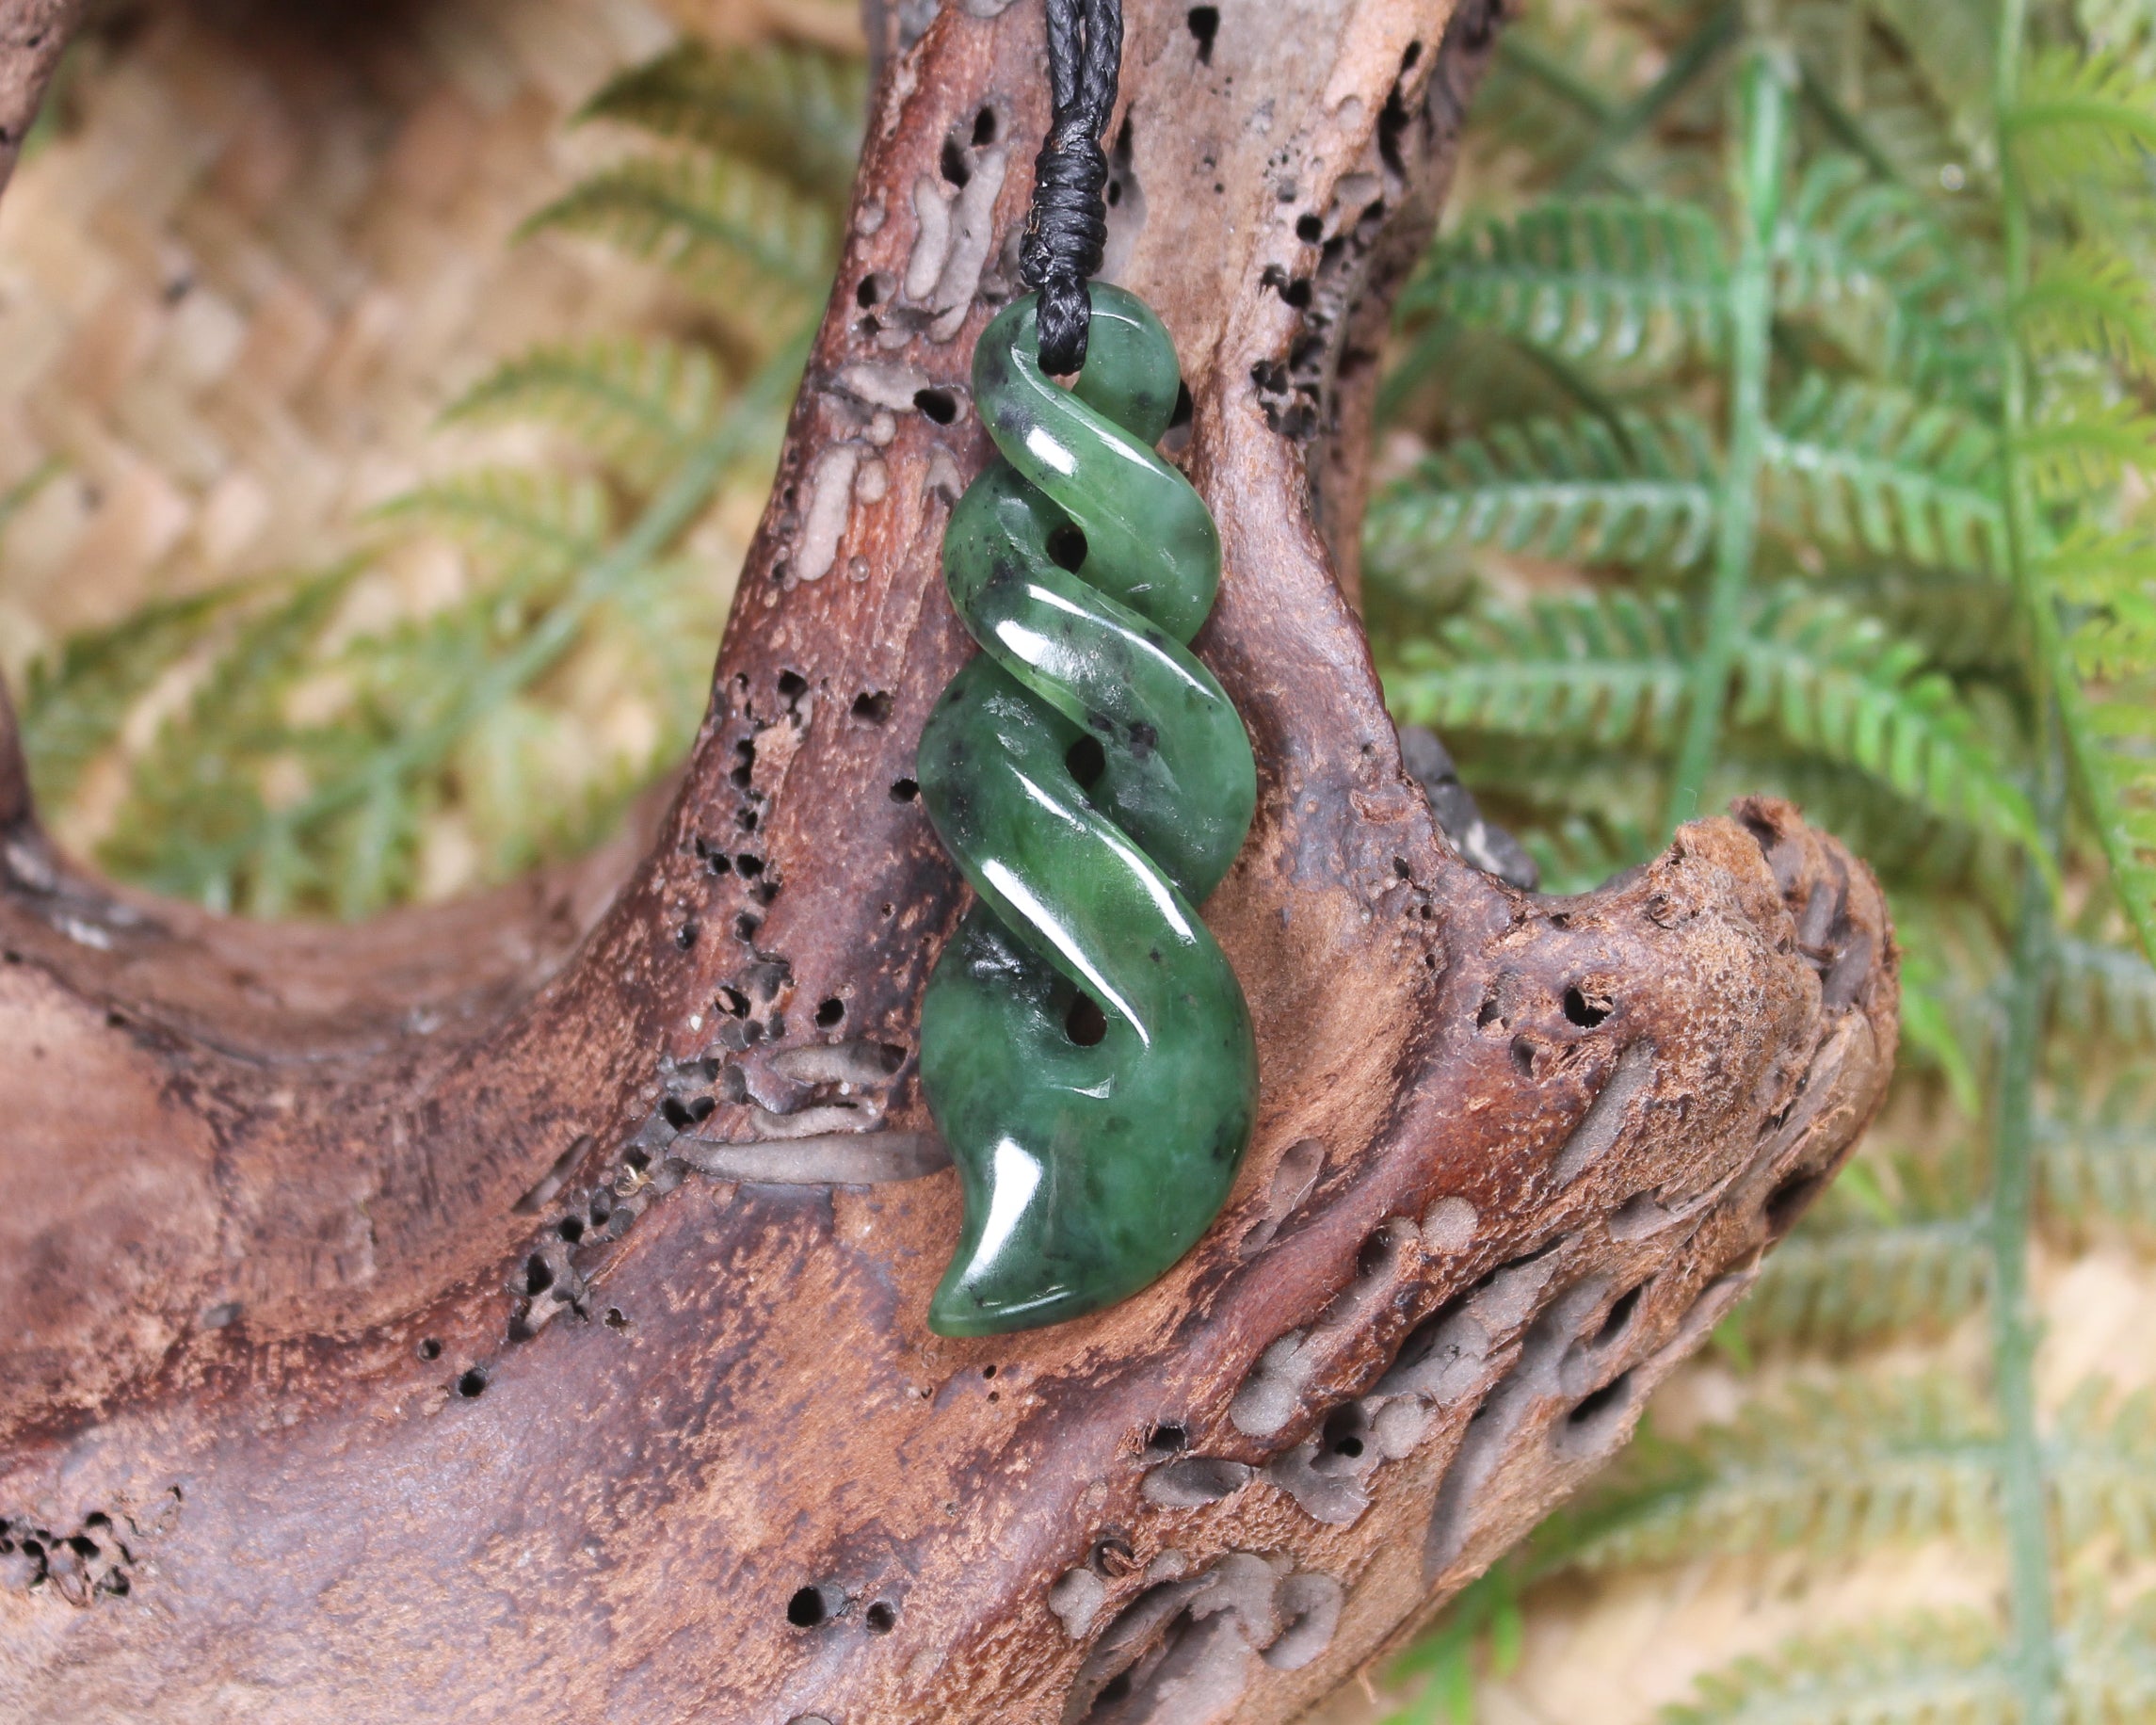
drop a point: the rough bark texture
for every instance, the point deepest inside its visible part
(32, 33)
(381, 1344)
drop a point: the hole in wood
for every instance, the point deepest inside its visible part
(1586, 1010)
(1204, 23)
(1619, 1317)
(1599, 1405)
(939, 404)
(1789, 1199)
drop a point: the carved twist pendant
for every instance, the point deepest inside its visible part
(1084, 1046)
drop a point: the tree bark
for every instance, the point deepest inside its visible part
(518, 1306)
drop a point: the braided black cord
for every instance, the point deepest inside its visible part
(1067, 225)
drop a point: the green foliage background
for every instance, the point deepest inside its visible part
(301, 771)
(1783, 386)
(1779, 389)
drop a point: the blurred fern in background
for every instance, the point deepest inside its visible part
(311, 745)
(1784, 419)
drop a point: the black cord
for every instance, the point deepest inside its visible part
(1067, 225)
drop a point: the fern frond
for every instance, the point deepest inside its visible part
(2082, 116)
(1619, 281)
(2108, 581)
(638, 402)
(2103, 990)
(2107, 1664)
(1579, 852)
(547, 521)
(1837, 684)
(1832, 1287)
(2097, 1161)
(747, 241)
(2102, 1465)
(2121, 27)
(793, 110)
(1826, 1471)
(189, 801)
(1576, 490)
(2085, 445)
(1579, 669)
(1926, 1670)
(1874, 471)
(1866, 258)
(2090, 300)
(77, 700)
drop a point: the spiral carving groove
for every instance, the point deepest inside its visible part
(1084, 1046)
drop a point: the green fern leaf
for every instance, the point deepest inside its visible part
(1926, 1670)
(212, 773)
(2082, 116)
(2086, 446)
(794, 111)
(1577, 490)
(1619, 281)
(2107, 1664)
(747, 241)
(2104, 990)
(2109, 721)
(77, 700)
(1581, 669)
(547, 522)
(2101, 1467)
(1826, 1470)
(1833, 1287)
(636, 402)
(1837, 684)
(2097, 1161)
(2090, 300)
(1872, 471)
(1866, 259)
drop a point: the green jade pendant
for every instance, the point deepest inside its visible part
(1094, 783)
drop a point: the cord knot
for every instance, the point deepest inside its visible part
(1067, 226)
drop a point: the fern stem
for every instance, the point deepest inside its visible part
(2014, 1331)
(1764, 114)
(2032, 1653)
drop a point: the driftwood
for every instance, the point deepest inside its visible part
(455, 1317)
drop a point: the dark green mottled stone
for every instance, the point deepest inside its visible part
(1087, 1169)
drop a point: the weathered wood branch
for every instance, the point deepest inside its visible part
(458, 1316)
(32, 33)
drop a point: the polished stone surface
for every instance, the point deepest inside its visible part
(1084, 1046)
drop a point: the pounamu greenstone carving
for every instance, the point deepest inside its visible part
(1085, 1045)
